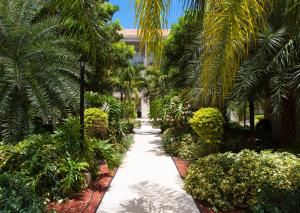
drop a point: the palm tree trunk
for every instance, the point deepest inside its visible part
(251, 114)
(288, 121)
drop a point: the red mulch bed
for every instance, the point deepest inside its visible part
(182, 167)
(88, 200)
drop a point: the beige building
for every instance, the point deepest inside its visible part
(131, 38)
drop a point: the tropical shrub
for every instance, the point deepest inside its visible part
(237, 138)
(96, 122)
(208, 124)
(184, 145)
(230, 180)
(190, 148)
(56, 163)
(129, 110)
(171, 109)
(105, 151)
(278, 200)
(17, 194)
(113, 107)
(73, 179)
(170, 143)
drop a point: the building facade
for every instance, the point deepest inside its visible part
(130, 37)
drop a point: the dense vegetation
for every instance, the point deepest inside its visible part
(42, 155)
(224, 88)
(225, 93)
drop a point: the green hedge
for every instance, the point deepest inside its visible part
(230, 180)
(208, 124)
(96, 122)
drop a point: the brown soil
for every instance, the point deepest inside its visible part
(182, 167)
(88, 200)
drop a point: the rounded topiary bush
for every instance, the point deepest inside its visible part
(208, 124)
(96, 122)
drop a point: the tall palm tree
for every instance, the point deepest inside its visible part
(38, 75)
(229, 27)
(272, 73)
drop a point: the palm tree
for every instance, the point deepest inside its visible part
(272, 73)
(229, 27)
(39, 75)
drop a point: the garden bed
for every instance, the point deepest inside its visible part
(182, 167)
(88, 200)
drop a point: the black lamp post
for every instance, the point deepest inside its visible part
(82, 70)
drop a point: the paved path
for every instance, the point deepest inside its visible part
(147, 181)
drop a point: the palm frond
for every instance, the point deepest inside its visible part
(151, 18)
(229, 29)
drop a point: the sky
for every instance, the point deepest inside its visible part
(126, 13)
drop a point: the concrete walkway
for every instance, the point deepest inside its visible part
(147, 181)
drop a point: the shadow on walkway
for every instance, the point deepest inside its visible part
(153, 197)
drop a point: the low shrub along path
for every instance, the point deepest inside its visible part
(147, 181)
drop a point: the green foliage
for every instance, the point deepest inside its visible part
(96, 122)
(17, 195)
(68, 136)
(56, 163)
(170, 143)
(39, 75)
(180, 63)
(278, 200)
(258, 118)
(183, 145)
(105, 151)
(237, 138)
(73, 177)
(230, 180)
(208, 124)
(113, 107)
(129, 110)
(190, 149)
(171, 109)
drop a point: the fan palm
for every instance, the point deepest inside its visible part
(38, 75)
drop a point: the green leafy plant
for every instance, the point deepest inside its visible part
(17, 194)
(113, 107)
(277, 200)
(73, 178)
(96, 122)
(170, 143)
(230, 180)
(208, 124)
(106, 152)
(129, 110)
(190, 148)
(56, 162)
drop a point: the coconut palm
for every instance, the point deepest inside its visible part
(38, 74)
